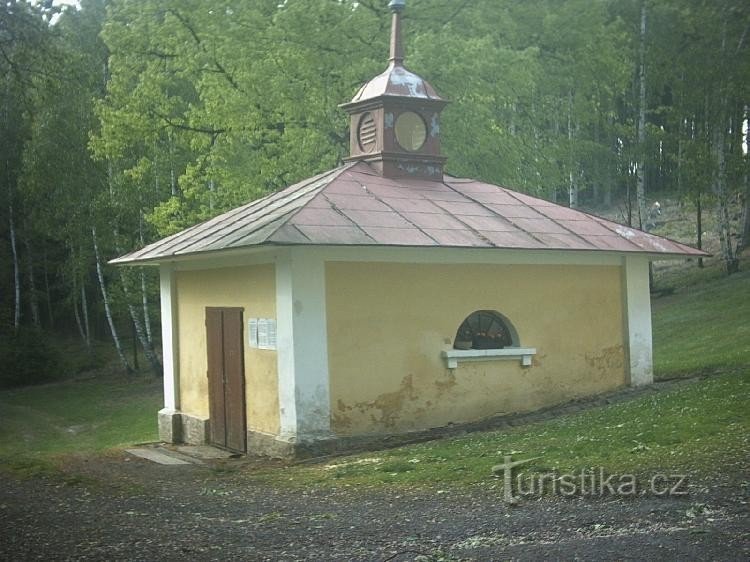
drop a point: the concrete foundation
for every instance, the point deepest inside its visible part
(269, 446)
(176, 427)
(170, 426)
(194, 430)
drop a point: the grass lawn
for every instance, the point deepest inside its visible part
(694, 428)
(704, 327)
(38, 424)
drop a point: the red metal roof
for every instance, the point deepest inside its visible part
(354, 205)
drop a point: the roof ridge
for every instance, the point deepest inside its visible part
(328, 176)
(606, 223)
(335, 173)
(189, 235)
(258, 205)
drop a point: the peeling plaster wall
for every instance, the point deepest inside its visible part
(252, 288)
(388, 324)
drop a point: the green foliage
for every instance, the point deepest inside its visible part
(26, 358)
(208, 107)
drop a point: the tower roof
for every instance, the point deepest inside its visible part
(396, 80)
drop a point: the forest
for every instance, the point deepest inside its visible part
(124, 121)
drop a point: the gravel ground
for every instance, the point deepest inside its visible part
(132, 509)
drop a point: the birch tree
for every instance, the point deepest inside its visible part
(640, 193)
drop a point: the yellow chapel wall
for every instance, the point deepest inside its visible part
(252, 288)
(388, 324)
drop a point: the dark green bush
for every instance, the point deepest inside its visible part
(27, 357)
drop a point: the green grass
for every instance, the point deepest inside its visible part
(39, 424)
(703, 327)
(694, 427)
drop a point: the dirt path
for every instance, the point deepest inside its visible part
(136, 510)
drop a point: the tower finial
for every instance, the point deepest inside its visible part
(397, 48)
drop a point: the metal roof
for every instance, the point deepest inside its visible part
(396, 80)
(354, 205)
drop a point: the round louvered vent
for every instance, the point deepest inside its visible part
(367, 133)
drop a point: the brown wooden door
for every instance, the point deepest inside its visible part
(226, 377)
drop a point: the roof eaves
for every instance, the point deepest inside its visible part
(687, 251)
(186, 239)
(240, 215)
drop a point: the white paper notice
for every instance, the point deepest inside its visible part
(252, 330)
(262, 333)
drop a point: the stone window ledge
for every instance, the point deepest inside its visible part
(456, 356)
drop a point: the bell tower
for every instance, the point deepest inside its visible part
(395, 117)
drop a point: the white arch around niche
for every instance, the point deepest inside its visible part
(453, 357)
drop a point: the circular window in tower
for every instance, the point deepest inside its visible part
(411, 131)
(366, 134)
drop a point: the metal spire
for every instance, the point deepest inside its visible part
(397, 47)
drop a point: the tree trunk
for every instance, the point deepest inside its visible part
(172, 173)
(722, 125)
(85, 312)
(146, 309)
(148, 350)
(77, 314)
(572, 184)
(136, 366)
(144, 293)
(33, 296)
(745, 221)
(731, 263)
(699, 224)
(81, 314)
(156, 169)
(679, 164)
(48, 292)
(16, 267)
(744, 240)
(107, 308)
(640, 192)
(628, 201)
